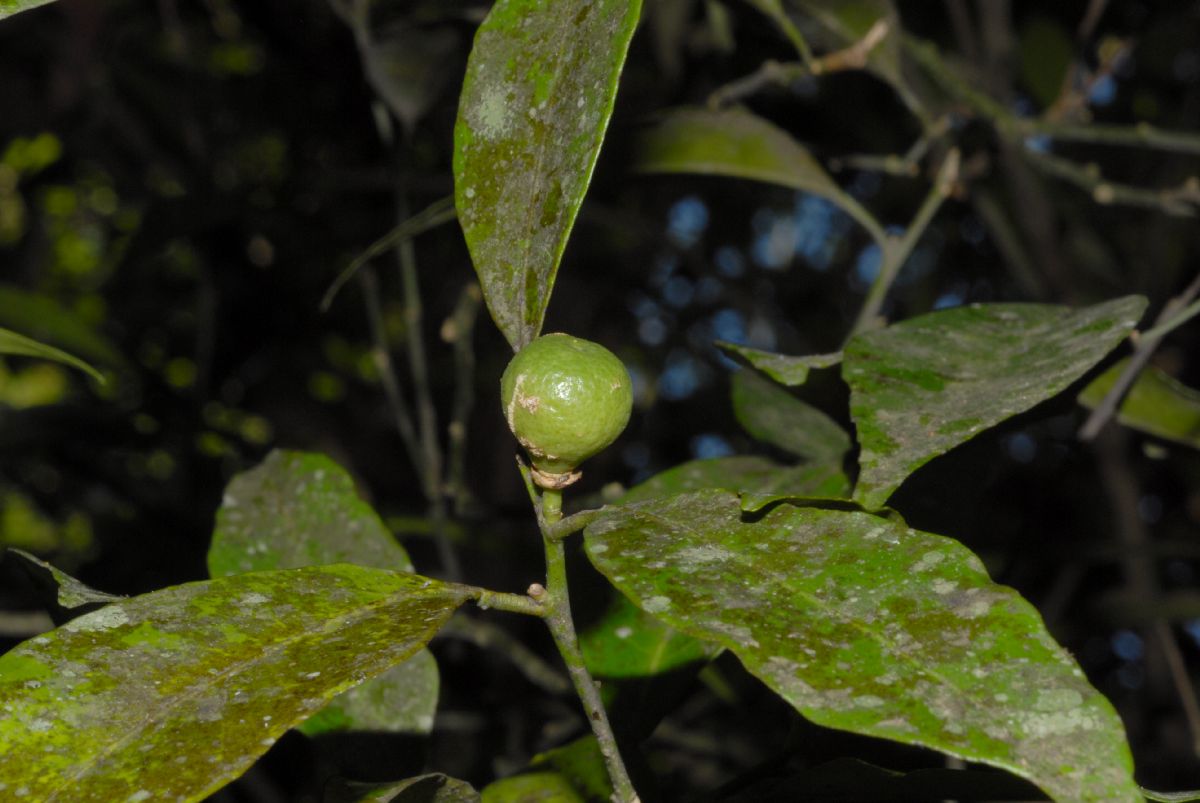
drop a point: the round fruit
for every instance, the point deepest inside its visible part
(565, 399)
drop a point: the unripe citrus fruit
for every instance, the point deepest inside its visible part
(565, 399)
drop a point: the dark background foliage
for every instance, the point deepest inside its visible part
(180, 182)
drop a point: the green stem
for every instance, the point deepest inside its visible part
(896, 252)
(557, 604)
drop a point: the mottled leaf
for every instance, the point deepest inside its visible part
(432, 788)
(301, 509)
(774, 416)
(745, 475)
(627, 642)
(10, 7)
(19, 345)
(71, 593)
(849, 779)
(171, 695)
(536, 100)
(1156, 404)
(865, 625)
(790, 371)
(298, 509)
(923, 386)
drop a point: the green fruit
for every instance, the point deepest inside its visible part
(565, 399)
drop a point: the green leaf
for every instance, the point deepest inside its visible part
(923, 386)
(773, 10)
(540, 85)
(432, 788)
(865, 625)
(409, 67)
(10, 7)
(1156, 404)
(1045, 54)
(301, 509)
(626, 642)
(742, 474)
(582, 764)
(298, 509)
(13, 343)
(573, 773)
(1172, 797)
(790, 371)
(173, 694)
(71, 593)
(735, 143)
(849, 779)
(43, 318)
(774, 416)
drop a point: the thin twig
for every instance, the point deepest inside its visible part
(487, 636)
(437, 213)
(431, 450)
(1181, 679)
(1141, 581)
(457, 331)
(1146, 344)
(1164, 329)
(897, 251)
(964, 30)
(774, 73)
(1180, 201)
(381, 355)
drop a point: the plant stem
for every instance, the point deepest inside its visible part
(1146, 345)
(896, 252)
(382, 357)
(431, 451)
(557, 604)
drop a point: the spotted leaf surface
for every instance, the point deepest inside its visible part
(539, 90)
(865, 625)
(748, 475)
(301, 509)
(923, 386)
(627, 642)
(171, 695)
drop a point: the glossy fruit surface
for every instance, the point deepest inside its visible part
(565, 399)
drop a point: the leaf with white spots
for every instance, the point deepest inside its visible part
(925, 385)
(865, 625)
(539, 90)
(173, 694)
(301, 509)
